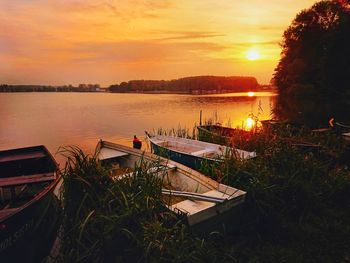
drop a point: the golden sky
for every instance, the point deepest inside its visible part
(108, 41)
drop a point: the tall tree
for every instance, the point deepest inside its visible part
(315, 59)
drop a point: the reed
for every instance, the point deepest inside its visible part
(124, 220)
(297, 207)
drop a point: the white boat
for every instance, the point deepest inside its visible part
(346, 136)
(197, 196)
(193, 153)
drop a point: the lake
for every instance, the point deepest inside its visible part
(81, 119)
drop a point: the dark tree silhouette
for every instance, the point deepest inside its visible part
(315, 59)
(190, 85)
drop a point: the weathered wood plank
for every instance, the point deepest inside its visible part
(195, 196)
(21, 156)
(8, 211)
(27, 179)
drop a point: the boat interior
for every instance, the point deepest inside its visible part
(23, 174)
(196, 150)
(199, 148)
(122, 164)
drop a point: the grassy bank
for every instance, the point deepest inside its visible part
(297, 209)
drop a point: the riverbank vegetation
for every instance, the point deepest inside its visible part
(45, 88)
(124, 220)
(314, 66)
(297, 208)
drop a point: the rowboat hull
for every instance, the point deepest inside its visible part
(182, 179)
(192, 153)
(221, 135)
(27, 230)
(188, 160)
(346, 136)
(30, 233)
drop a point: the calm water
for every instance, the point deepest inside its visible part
(60, 119)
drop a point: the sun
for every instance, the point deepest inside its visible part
(252, 54)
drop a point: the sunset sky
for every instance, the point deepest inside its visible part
(108, 41)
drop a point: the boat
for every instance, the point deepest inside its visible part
(188, 192)
(28, 207)
(342, 129)
(193, 153)
(346, 136)
(339, 128)
(274, 125)
(220, 134)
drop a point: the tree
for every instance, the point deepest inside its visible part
(315, 59)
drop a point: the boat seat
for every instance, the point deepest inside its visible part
(191, 207)
(218, 194)
(21, 156)
(106, 153)
(27, 179)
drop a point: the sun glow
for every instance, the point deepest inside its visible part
(249, 123)
(252, 54)
(250, 94)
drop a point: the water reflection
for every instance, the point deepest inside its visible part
(249, 123)
(251, 94)
(59, 119)
(314, 112)
(214, 99)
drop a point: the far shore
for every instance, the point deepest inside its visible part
(194, 92)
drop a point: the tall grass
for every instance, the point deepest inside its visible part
(297, 207)
(123, 220)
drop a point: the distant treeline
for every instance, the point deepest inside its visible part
(189, 85)
(194, 85)
(41, 88)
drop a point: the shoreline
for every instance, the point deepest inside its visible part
(148, 92)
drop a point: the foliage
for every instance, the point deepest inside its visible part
(123, 220)
(315, 52)
(189, 85)
(296, 210)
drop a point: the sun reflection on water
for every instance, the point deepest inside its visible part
(249, 123)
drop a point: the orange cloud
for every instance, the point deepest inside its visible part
(107, 41)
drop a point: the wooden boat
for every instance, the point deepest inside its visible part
(197, 196)
(346, 136)
(220, 134)
(342, 129)
(193, 153)
(339, 128)
(273, 125)
(28, 177)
